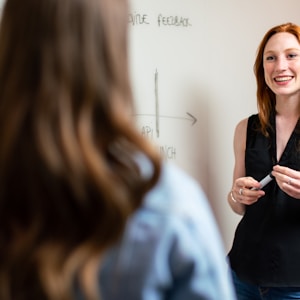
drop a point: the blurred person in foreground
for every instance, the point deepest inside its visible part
(87, 208)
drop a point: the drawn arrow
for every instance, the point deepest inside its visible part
(190, 117)
(157, 114)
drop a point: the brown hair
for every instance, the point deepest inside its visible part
(69, 179)
(265, 97)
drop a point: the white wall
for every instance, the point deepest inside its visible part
(205, 69)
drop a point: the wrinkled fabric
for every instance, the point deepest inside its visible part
(171, 248)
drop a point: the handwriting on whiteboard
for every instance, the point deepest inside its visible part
(160, 20)
(148, 131)
(152, 129)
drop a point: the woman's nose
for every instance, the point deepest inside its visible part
(281, 64)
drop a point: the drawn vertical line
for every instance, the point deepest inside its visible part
(156, 103)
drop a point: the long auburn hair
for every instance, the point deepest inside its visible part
(69, 179)
(266, 100)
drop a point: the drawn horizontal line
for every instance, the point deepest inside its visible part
(191, 117)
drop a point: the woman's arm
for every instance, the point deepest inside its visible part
(241, 193)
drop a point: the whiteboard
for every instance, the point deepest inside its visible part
(166, 53)
(191, 64)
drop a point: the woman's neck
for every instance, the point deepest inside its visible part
(288, 106)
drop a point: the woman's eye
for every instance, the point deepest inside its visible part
(292, 55)
(270, 58)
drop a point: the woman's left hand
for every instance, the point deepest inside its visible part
(288, 180)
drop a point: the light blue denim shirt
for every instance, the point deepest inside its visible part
(171, 248)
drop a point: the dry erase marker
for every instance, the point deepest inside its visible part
(264, 181)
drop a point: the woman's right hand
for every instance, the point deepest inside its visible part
(246, 190)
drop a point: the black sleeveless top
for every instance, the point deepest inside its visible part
(266, 246)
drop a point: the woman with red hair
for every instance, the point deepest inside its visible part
(265, 254)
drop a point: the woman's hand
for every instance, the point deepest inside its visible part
(246, 190)
(288, 180)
